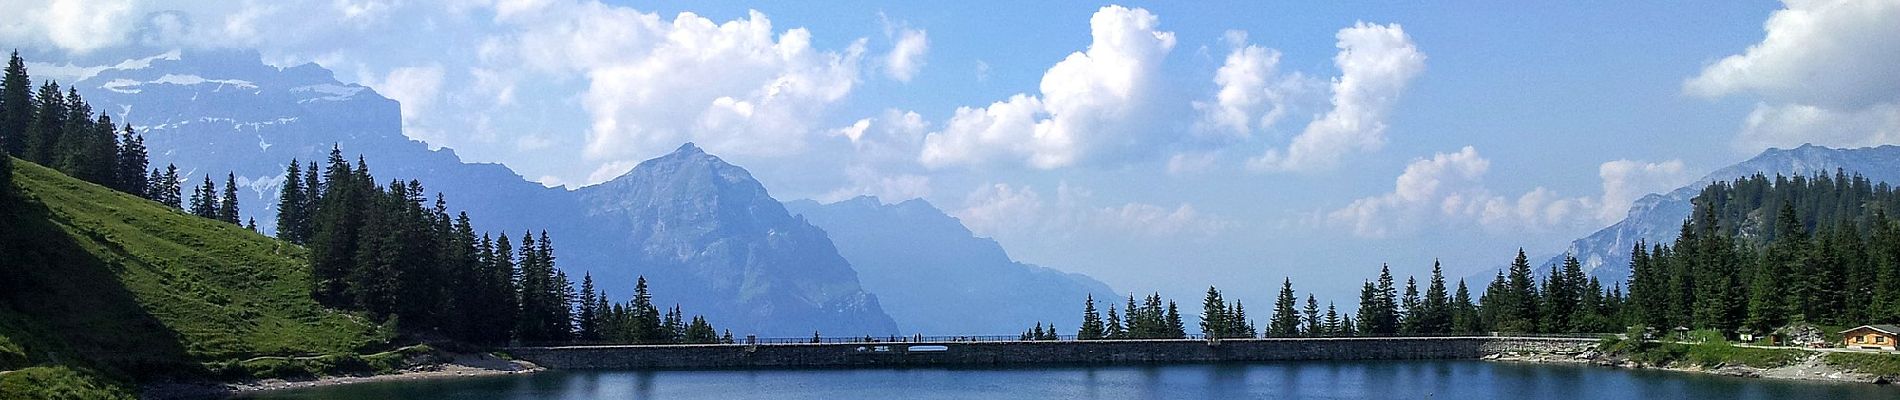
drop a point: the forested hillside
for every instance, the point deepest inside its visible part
(1762, 252)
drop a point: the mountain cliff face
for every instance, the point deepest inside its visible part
(707, 236)
(1657, 218)
(936, 277)
(689, 217)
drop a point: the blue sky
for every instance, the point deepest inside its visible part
(1136, 142)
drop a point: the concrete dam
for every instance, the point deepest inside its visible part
(998, 353)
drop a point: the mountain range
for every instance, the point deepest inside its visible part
(704, 232)
(934, 275)
(1657, 218)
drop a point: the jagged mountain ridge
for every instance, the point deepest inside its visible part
(213, 111)
(1657, 218)
(936, 277)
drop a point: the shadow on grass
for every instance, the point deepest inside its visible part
(66, 305)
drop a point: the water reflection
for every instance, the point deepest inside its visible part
(1287, 380)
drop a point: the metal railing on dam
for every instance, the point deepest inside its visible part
(1021, 352)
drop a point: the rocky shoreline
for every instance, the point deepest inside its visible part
(458, 366)
(1812, 368)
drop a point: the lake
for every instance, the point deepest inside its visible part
(1441, 379)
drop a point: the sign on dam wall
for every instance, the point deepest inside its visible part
(901, 354)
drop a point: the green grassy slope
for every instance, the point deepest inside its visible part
(96, 279)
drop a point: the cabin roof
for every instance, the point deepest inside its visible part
(1889, 329)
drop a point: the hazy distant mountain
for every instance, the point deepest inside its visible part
(689, 217)
(936, 277)
(710, 238)
(1657, 218)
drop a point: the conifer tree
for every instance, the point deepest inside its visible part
(71, 144)
(1435, 313)
(1286, 321)
(646, 320)
(167, 187)
(132, 161)
(1383, 318)
(1410, 314)
(504, 277)
(17, 107)
(1331, 325)
(1092, 328)
(334, 232)
(1135, 320)
(204, 201)
(1464, 314)
(1214, 318)
(1519, 299)
(588, 321)
(228, 203)
(1175, 330)
(1115, 329)
(97, 157)
(1311, 317)
(290, 203)
(1368, 305)
(48, 124)
(1240, 326)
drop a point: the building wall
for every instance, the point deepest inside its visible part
(1867, 337)
(1023, 353)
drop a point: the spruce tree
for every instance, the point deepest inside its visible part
(588, 321)
(1134, 320)
(228, 203)
(646, 318)
(1092, 328)
(1385, 316)
(1239, 326)
(1311, 320)
(204, 201)
(1286, 320)
(505, 280)
(336, 222)
(98, 157)
(1520, 300)
(132, 162)
(1435, 310)
(1410, 315)
(167, 188)
(1464, 317)
(17, 108)
(1175, 330)
(290, 202)
(1330, 326)
(48, 124)
(1368, 305)
(1214, 320)
(1115, 329)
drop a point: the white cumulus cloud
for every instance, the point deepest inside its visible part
(1376, 63)
(1005, 211)
(907, 57)
(1448, 191)
(1087, 103)
(1624, 181)
(1823, 74)
(1252, 96)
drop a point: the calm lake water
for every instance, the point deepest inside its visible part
(1285, 380)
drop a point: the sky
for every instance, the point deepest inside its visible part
(1156, 146)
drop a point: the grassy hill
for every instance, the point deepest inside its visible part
(99, 288)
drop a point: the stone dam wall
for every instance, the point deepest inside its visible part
(1034, 352)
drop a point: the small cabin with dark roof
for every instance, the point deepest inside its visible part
(1873, 337)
